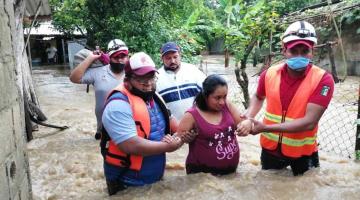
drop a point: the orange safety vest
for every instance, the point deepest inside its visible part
(111, 153)
(297, 144)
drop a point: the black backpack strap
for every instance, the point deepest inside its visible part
(165, 111)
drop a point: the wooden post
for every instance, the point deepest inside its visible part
(63, 50)
(227, 58)
(332, 61)
(357, 142)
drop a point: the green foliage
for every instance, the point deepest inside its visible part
(146, 24)
(295, 5)
(143, 24)
(247, 23)
(351, 17)
(68, 16)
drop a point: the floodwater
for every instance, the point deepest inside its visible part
(68, 165)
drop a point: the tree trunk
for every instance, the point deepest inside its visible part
(332, 62)
(227, 57)
(241, 76)
(24, 77)
(243, 81)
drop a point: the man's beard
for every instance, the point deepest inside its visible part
(117, 68)
(172, 67)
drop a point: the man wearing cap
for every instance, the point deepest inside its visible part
(178, 82)
(136, 129)
(297, 94)
(104, 78)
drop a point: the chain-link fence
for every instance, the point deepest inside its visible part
(337, 127)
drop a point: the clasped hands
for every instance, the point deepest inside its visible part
(176, 140)
(249, 126)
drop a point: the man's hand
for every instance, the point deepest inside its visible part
(257, 127)
(93, 56)
(173, 142)
(244, 128)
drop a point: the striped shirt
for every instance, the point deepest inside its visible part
(179, 89)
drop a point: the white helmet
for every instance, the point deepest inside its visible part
(116, 45)
(300, 30)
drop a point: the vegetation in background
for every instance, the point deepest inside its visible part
(145, 25)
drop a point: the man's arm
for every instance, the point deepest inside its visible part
(308, 122)
(318, 102)
(118, 121)
(79, 70)
(140, 146)
(255, 105)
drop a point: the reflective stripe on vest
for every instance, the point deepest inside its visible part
(292, 144)
(276, 118)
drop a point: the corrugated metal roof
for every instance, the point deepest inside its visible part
(46, 29)
(32, 5)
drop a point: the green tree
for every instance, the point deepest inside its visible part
(247, 22)
(143, 24)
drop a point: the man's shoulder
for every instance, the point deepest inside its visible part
(327, 76)
(328, 79)
(191, 70)
(99, 70)
(188, 65)
(161, 70)
(118, 101)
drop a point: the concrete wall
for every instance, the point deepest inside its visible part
(351, 43)
(14, 167)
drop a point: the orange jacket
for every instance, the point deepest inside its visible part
(297, 144)
(112, 154)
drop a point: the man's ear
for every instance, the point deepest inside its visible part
(283, 48)
(126, 83)
(312, 53)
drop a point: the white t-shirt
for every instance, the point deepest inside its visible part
(51, 52)
(180, 89)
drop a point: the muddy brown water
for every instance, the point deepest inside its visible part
(68, 165)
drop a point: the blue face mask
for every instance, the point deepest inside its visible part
(297, 63)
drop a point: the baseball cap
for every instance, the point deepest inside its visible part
(126, 52)
(140, 64)
(169, 46)
(116, 47)
(291, 44)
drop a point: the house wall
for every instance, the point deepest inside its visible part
(14, 167)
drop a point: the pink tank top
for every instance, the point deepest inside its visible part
(215, 148)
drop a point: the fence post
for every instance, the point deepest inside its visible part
(357, 143)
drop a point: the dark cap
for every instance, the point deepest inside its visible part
(169, 47)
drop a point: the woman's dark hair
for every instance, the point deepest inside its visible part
(208, 87)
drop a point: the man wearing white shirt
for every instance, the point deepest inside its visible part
(178, 82)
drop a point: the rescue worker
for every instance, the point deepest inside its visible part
(104, 78)
(297, 94)
(135, 123)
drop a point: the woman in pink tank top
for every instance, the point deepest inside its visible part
(215, 149)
